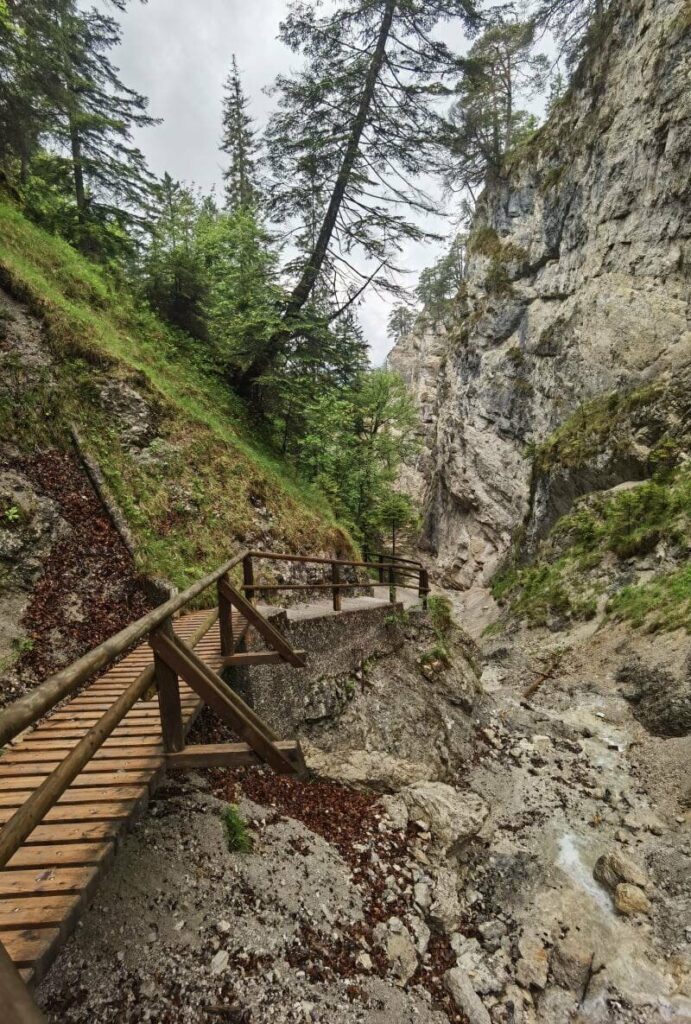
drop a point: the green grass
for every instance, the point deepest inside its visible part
(663, 604)
(193, 502)
(238, 839)
(565, 581)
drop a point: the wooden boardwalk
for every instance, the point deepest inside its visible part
(53, 875)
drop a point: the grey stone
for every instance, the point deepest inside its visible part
(464, 996)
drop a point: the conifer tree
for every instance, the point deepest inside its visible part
(96, 115)
(239, 142)
(571, 22)
(359, 115)
(502, 71)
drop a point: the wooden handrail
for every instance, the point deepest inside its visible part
(26, 818)
(28, 709)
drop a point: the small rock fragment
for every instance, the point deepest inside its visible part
(464, 996)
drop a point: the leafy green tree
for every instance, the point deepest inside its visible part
(239, 142)
(502, 71)
(354, 130)
(439, 285)
(244, 295)
(401, 321)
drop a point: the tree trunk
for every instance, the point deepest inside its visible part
(77, 169)
(311, 271)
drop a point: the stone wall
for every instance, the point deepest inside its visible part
(337, 646)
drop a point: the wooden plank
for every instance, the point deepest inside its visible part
(257, 658)
(8, 783)
(30, 911)
(224, 755)
(53, 881)
(28, 947)
(78, 795)
(51, 834)
(75, 732)
(102, 811)
(62, 855)
(30, 762)
(127, 742)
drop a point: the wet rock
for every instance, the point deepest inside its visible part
(571, 963)
(615, 867)
(452, 816)
(660, 700)
(464, 996)
(630, 899)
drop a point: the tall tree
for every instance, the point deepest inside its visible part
(173, 275)
(96, 117)
(239, 142)
(502, 72)
(360, 117)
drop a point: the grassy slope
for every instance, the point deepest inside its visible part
(595, 548)
(195, 497)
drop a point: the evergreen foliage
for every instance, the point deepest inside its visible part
(239, 142)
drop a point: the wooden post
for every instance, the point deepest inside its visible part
(336, 579)
(248, 577)
(17, 1005)
(169, 704)
(392, 584)
(225, 619)
(381, 568)
(424, 587)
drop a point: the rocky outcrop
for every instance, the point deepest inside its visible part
(577, 283)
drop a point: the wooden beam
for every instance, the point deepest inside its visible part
(227, 705)
(336, 580)
(258, 658)
(265, 628)
(18, 1006)
(169, 703)
(225, 621)
(226, 755)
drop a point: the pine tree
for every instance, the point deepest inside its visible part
(355, 129)
(502, 71)
(239, 142)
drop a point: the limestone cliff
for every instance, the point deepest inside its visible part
(577, 287)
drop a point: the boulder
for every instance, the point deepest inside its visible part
(453, 816)
(399, 947)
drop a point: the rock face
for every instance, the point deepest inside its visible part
(576, 284)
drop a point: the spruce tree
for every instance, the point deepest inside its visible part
(360, 120)
(239, 142)
(96, 115)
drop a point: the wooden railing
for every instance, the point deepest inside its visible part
(392, 572)
(174, 660)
